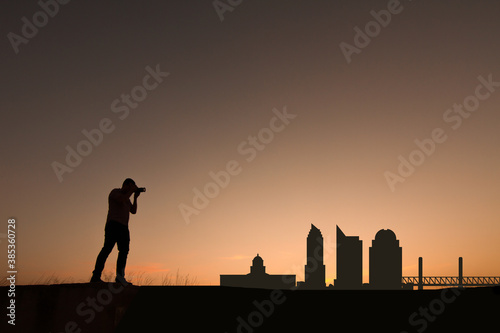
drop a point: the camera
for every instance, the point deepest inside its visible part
(141, 189)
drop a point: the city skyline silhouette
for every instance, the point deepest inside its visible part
(385, 262)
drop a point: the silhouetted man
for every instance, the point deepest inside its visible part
(116, 230)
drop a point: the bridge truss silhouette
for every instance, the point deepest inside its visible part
(465, 281)
(459, 281)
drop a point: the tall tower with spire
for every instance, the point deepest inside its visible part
(314, 269)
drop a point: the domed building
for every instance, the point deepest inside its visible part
(257, 267)
(386, 261)
(258, 278)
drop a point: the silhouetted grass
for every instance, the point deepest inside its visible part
(178, 280)
(137, 278)
(51, 279)
(140, 279)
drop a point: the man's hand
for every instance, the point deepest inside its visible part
(136, 194)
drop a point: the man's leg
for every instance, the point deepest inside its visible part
(109, 242)
(123, 243)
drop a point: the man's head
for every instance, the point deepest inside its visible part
(129, 186)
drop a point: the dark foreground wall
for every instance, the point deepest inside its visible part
(106, 308)
(225, 309)
(70, 308)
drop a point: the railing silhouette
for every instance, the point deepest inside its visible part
(466, 281)
(461, 281)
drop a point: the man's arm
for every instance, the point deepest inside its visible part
(133, 208)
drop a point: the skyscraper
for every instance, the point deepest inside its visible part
(386, 261)
(314, 269)
(349, 261)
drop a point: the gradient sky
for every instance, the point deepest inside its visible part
(353, 120)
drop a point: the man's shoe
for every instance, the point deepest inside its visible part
(96, 279)
(121, 279)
